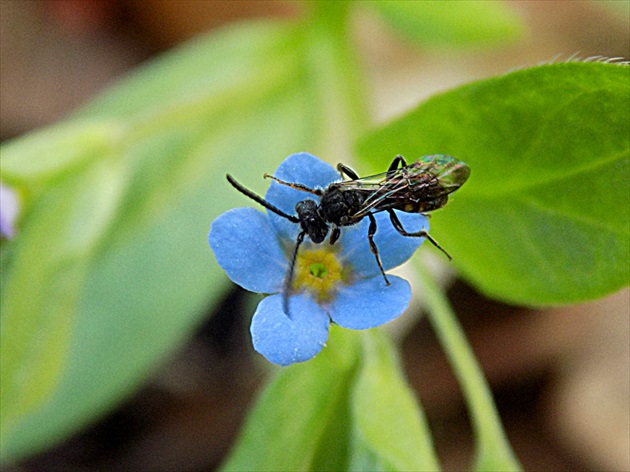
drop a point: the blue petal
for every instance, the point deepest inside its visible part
(283, 340)
(302, 168)
(369, 302)
(393, 248)
(247, 248)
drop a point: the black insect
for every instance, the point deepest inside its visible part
(420, 187)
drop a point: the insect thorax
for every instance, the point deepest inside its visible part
(338, 206)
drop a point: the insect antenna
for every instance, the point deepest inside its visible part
(288, 281)
(303, 188)
(262, 201)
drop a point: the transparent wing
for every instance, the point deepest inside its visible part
(430, 177)
(392, 191)
(377, 188)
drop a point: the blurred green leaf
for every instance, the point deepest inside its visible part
(347, 409)
(545, 216)
(300, 421)
(41, 156)
(453, 23)
(390, 430)
(111, 268)
(47, 270)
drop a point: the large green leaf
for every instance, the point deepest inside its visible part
(545, 216)
(111, 268)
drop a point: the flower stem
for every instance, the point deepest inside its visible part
(493, 451)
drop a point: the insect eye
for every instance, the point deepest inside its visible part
(305, 206)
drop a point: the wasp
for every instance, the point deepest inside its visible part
(420, 187)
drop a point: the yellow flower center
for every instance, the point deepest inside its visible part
(319, 272)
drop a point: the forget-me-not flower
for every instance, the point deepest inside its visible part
(341, 283)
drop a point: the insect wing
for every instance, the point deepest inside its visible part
(392, 191)
(429, 178)
(451, 173)
(377, 188)
(369, 183)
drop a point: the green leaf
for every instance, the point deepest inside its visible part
(545, 216)
(111, 269)
(47, 154)
(390, 430)
(47, 269)
(301, 420)
(453, 23)
(338, 411)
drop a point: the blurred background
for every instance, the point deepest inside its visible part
(561, 377)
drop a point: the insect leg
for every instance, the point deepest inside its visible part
(373, 248)
(393, 167)
(288, 281)
(347, 171)
(262, 201)
(334, 234)
(301, 187)
(420, 234)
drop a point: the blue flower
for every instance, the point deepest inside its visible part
(341, 283)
